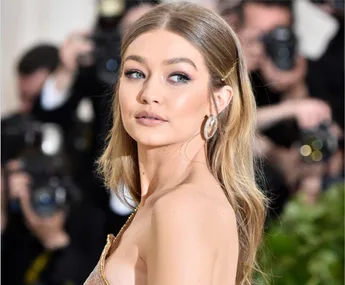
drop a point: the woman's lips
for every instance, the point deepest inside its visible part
(149, 119)
(149, 122)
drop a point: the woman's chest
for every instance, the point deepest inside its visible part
(125, 263)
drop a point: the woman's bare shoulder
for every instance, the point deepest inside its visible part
(189, 233)
(189, 205)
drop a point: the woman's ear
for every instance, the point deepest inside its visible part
(223, 97)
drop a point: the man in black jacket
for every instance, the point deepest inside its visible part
(84, 73)
(285, 107)
(41, 250)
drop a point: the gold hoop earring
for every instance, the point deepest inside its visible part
(210, 127)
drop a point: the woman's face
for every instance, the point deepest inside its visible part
(163, 92)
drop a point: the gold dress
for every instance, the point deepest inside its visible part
(97, 276)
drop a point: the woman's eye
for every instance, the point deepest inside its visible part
(179, 78)
(134, 74)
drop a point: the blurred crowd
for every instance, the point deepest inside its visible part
(55, 212)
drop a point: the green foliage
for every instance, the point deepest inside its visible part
(306, 246)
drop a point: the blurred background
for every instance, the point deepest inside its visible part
(58, 67)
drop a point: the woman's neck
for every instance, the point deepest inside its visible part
(165, 167)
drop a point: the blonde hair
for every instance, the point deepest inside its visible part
(230, 151)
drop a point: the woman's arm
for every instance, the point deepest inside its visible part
(187, 236)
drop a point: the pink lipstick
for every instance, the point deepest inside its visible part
(149, 119)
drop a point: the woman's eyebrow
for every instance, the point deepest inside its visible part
(170, 61)
(137, 58)
(178, 60)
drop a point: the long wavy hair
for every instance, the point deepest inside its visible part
(230, 151)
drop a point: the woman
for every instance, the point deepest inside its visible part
(181, 143)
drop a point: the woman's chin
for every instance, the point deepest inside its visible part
(151, 141)
(151, 145)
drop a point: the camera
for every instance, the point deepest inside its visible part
(105, 59)
(280, 45)
(318, 144)
(40, 149)
(106, 55)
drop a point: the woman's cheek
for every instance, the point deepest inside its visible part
(184, 103)
(125, 97)
(191, 105)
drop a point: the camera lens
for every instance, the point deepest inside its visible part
(43, 201)
(112, 65)
(280, 45)
(318, 144)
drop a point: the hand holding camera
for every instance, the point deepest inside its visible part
(318, 139)
(48, 230)
(18, 182)
(75, 45)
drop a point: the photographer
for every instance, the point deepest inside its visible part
(46, 249)
(88, 68)
(42, 244)
(89, 62)
(275, 62)
(286, 109)
(33, 70)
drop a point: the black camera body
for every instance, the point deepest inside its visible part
(105, 59)
(107, 54)
(318, 144)
(281, 46)
(53, 187)
(42, 156)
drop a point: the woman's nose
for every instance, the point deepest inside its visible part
(151, 92)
